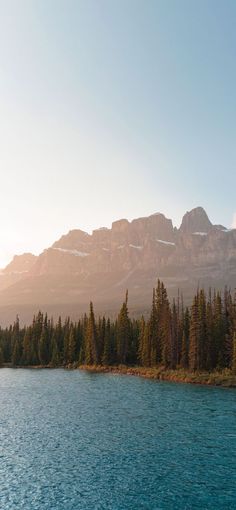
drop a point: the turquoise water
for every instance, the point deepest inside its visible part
(76, 440)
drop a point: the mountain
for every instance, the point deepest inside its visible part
(80, 267)
(196, 221)
(18, 268)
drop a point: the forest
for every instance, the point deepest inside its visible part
(201, 337)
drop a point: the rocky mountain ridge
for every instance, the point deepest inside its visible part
(80, 267)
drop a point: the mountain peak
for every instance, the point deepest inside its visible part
(20, 264)
(195, 220)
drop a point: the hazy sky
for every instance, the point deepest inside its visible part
(114, 108)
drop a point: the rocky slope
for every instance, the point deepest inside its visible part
(79, 267)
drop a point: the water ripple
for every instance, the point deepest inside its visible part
(76, 440)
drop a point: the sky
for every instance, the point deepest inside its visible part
(114, 109)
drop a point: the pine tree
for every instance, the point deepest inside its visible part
(166, 343)
(184, 352)
(43, 353)
(202, 329)
(55, 359)
(16, 355)
(227, 347)
(15, 335)
(84, 327)
(154, 339)
(36, 331)
(78, 338)
(168, 340)
(59, 335)
(27, 347)
(106, 357)
(184, 357)
(146, 351)
(91, 344)
(123, 333)
(56, 344)
(194, 336)
(1, 357)
(141, 341)
(219, 330)
(66, 337)
(210, 344)
(72, 346)
(170, 350)
(234, 355)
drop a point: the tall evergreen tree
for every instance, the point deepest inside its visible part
(27, 347)
(55, 358)
(43, 351)
(72, 345)
(234, 355)
(1, 356)
(91, 344)
(141, 345)
(194, 336)
(16, 355)
(106, 356)
(154, 339)
(123, 333)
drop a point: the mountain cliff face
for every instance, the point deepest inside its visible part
(80, 267)
(195, 221)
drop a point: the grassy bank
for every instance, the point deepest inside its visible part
(224, 378)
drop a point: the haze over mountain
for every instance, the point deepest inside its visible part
(80, 267)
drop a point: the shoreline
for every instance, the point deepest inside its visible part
(224, 378)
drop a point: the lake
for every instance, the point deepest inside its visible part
(78, 440)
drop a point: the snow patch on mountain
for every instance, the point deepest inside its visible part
(136, 247)
(165, 242)
(76, 253)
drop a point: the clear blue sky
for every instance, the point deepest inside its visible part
(114, 108)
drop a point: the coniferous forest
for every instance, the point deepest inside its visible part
(199, 338)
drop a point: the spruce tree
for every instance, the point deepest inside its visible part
(43, 347)
(141, 341)
(184, 351)
(91, 343)
(219, 331)
(106, 357)
(146, 350)
(72, 346)
(184, 357)
(27, 347)
(154, 339)
(210, 344)
(202, 318)
(194, 336)
(84, 326)
(1, 357)
(15, 339)
(123, 333)
(234, 355)
(55, 359)
(16, 355)
(66, 337)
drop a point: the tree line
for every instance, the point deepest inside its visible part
(200, 337)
